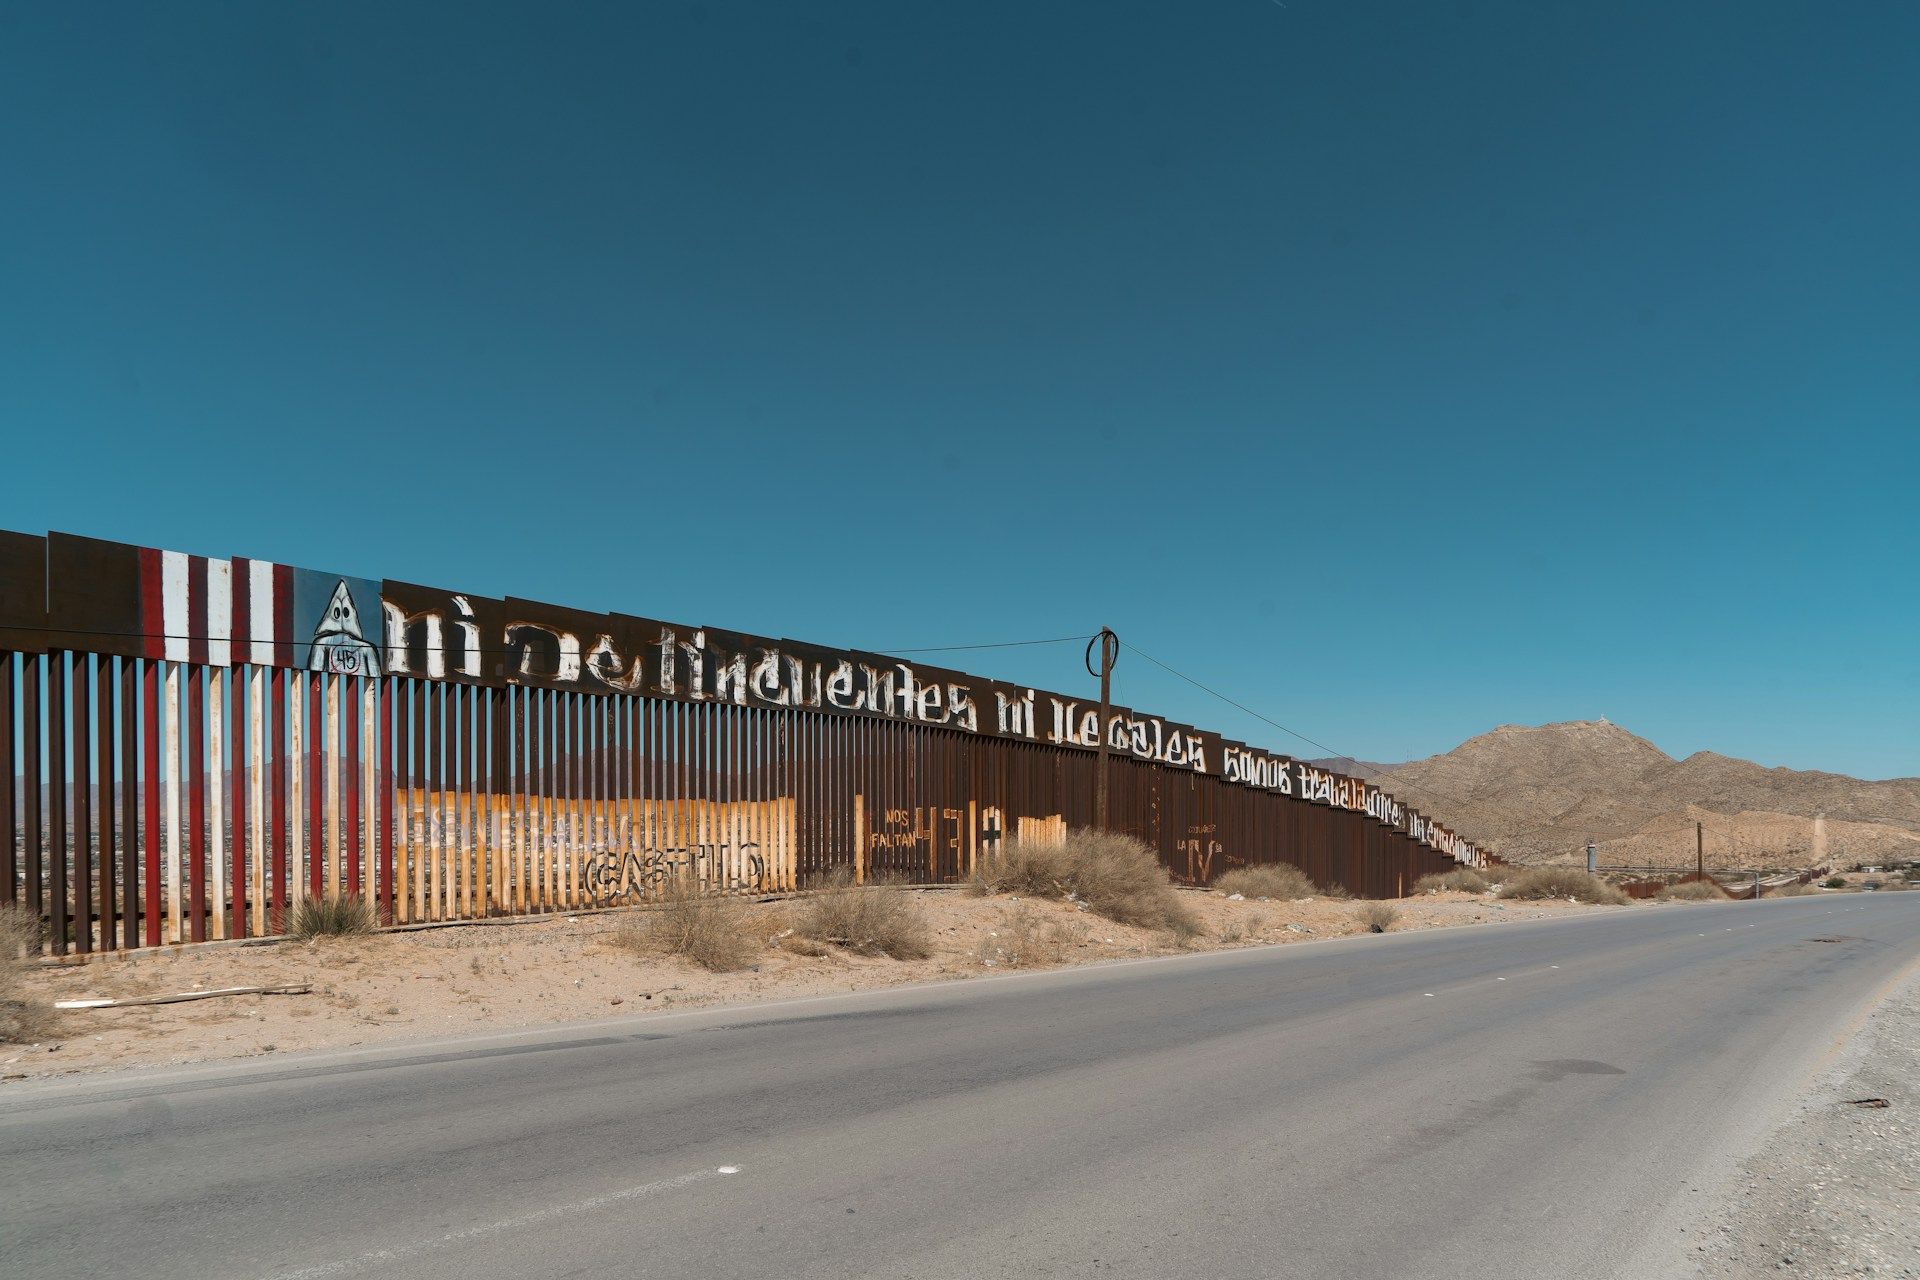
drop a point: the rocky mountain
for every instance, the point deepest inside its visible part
(1540, 793)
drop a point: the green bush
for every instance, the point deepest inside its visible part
(334, 916)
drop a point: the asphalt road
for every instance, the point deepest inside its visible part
(1526, 1100)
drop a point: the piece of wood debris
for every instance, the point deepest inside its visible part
(300, 990)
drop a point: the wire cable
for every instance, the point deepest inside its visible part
(1295, 733)
(443, 648)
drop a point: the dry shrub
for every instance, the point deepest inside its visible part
(1025, 940)
(22, 1021)
(710, 930)
(341, 915)
(1378, 917)
(1338, 892)
(1460, 880)
(1691, 891)
(1497, 874)
(871, 920)
(1280, 880)
(1795, 890)
(1536, 883)
(1116, 876)
(1026, 866)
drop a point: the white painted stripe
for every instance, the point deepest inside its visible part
(389, 1257)
(220, 613)
(172, 764)
(173, 604)
(259, 589)
(217, 803)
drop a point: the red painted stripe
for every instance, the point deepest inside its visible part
(384, 836)
(277, 842)
(283, 615)
(197, 611)
(350, 692)
(316, 830)
(150, 788)
(153, 611)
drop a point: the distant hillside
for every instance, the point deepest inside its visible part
(1540, 793)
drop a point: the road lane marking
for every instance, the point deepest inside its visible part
(387, 1257)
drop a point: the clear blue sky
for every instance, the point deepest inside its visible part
(1399, 369)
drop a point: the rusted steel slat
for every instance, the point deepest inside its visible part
(59, 702)
(216, 864)
(104, 810)
(150, 745)
(129, 806)
(82, 930)
(241, 742)
(433, 818)
(417, 696)
(9, 790)
(387, 709)
(173, 826)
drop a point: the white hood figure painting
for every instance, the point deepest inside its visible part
(338, 644)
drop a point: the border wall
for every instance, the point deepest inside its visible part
(193, 745)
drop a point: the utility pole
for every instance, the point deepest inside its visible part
(1700, 850)
(1109, 655)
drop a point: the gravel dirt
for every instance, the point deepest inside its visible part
(1836, 1190)
(396, 986)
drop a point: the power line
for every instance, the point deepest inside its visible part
(1331, 753)
(1003, 644)
(243, 641)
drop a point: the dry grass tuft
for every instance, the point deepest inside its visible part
(1338, 892)
(1795, 890)
(1378, 917)
(1281, 880)
(1691, 891)
(801, 945)
(1460, 880)
(1026, 939)
(710, 930)
(339, 916)
(1537, 883)
(22, 1021)
(870, 920)
(1116, 876)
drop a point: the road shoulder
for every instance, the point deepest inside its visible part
(1833, 1191)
